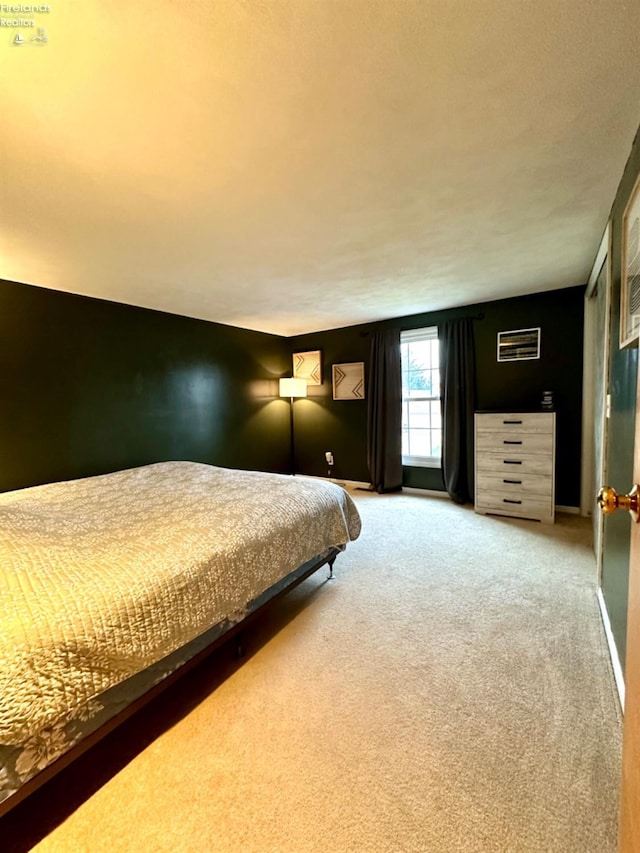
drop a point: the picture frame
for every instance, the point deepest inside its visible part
(348, 381)
(308, 365)
(630, 285)
(519, 345)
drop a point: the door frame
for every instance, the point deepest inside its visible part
(588, 474)
(587, 505)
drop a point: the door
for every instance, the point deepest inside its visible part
(630, 792)
(630, 813)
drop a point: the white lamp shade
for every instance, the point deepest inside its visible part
(291, 387)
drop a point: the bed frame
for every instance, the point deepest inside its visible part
(234, 631)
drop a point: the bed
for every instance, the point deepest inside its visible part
(109, 585)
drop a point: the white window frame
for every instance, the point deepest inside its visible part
(427, 333)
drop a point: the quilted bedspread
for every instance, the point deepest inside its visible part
(104, 576)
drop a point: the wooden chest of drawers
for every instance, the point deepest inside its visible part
(515, 464)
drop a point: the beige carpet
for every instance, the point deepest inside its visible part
(449, 691)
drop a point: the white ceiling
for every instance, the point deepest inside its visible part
(307, 164)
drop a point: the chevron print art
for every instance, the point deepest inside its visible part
(308, 365)
(348, 381)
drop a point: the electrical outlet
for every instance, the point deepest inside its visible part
(329, 457)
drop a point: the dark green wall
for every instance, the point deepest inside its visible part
(560, 315)
(90, 386)
(324, 424)
(321, 423)
(622, 387)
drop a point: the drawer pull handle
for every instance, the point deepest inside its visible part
(507, 501)
(513, 482)
(512, 461)
(511, 422)
(506, 441)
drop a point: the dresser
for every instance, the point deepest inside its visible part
(515, 464)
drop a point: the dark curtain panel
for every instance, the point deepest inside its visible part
(457, 391)
(384, 412)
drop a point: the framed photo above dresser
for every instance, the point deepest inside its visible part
(519, 345)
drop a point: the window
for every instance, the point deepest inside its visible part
(421, 418)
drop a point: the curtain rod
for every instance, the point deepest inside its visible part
(478, 316)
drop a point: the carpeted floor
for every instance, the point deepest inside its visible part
(449, 691)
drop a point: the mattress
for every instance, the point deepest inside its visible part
(105, 577)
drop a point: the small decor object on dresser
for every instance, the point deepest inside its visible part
(515, 464)
(348, 381)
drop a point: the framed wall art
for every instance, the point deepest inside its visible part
(630, 289)
(348, 381)
(519, 345)
(308, 365)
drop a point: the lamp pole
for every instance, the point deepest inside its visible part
(292, 452)
(292, 387)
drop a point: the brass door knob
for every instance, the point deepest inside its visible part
(609, 501)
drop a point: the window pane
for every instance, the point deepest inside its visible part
(421, 419)
(419, 414)
(423, 442)
(419, 442)
(420, 354)
(421, 380)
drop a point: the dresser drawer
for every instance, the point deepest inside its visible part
(506, 464)
(510, 485)
(527, 507)
(531, 507)
(513, 443)
(515, 423)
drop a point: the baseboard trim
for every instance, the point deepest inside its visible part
(613, 651)
(434, 493)
(572, 510)
(367, 487)
(348, 484)
(352, 484)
